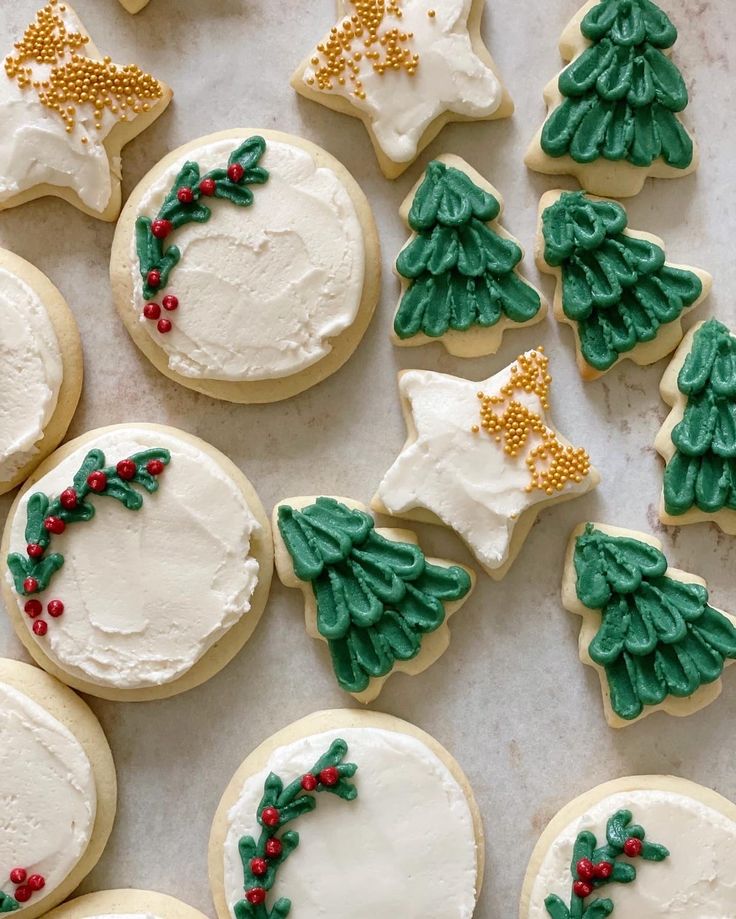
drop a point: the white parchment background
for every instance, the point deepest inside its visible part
(510, 698)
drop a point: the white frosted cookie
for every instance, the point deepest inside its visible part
(67, 112)
(698, 439)
(340, 778)
(380, 604)
(614, 112)
(405, 68)
(246, 265)
(460, 283)
(40, 368)
(483, 458)
(614, 286)
(640, 847)
(99, 580)
(125, 904)
(57, 786)
(648, 630)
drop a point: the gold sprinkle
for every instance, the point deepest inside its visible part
(431, 13)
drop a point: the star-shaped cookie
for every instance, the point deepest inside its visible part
(405, 68)
(134, 6)
(66, 112)
(483, 458)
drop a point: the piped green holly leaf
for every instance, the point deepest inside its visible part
(8, 904)
(598, 909)
(556, 908)
(83, 512)
(93, 462)
(623, 873)
(653, 851)
(20, 569)
(249, 153)
(37, 509)
(121, 491)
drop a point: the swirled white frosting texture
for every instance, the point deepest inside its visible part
(261, 289)
(48, 798)
(147, 592)
(404, 847)
(31, 372)
(449, 76)
(696, 881)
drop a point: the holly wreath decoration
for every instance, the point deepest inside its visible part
(26, 886)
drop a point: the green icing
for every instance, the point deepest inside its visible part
(375, 597)
(658, 636)
(290, 802)
(587, 855)
(40, 508)
(461, 274)
(622, 92)
(156, 254)
(617, 288)
(7, 903)
(702, 473)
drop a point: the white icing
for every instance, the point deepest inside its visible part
(262, 289)
(697, 881)
(147, 592)
(404, 847)
(123, 916)
(465, 478)
(48, 799)
(449, 77)
(31, 372)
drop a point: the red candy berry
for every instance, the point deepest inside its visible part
(185, 195)
(126, 469)
(603, 870)
(32, 608)
(18, 875)
(30, 585)
(207, 187)
(329, 776)
(273, 847)
(34, 550)
(164, 326)
(235, 172)
(170, 302)
(23, 893)
(54, 525)
(259, 866)
(256, 895)
(582, 889)
(633, 847)
(153, 278)
(161, 228)
(36, 882)
(309, 782)
(151, 310)
(97, 481)
(585, 869)
(40, 628)
(155, 467)
(55, 608)
(270, 816)
(68, 499)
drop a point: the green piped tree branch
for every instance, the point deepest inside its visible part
(279, 806)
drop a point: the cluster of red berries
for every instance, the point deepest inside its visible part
(152, 311)
(271, 817)
(27, 885)
(588, 872)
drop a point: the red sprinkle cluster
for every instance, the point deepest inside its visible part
(27, 884)
(588, 872)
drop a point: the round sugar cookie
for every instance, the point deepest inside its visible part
(99, 579)
(125, 904)
(58, 788)
(246, 265)
(348, 807)
(645, 846)
(40, 368)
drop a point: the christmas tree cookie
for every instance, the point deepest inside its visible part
(635, 848)
(372, 594)
(40, 368)
(57, 787)
(98, 550)
(246, 265)
(698, 439)
(648, 629)
(327, 791)
(614, 112)
(405, 68)
(126, 904)
(67, 112)
(483, 458)
(460, 283)
(614, 286)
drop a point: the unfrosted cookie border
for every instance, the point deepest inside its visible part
(224, 649)
(67, 708)
(125, 901)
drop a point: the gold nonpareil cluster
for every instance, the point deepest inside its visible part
(73, 78)
(365, 37)
(551, 463)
